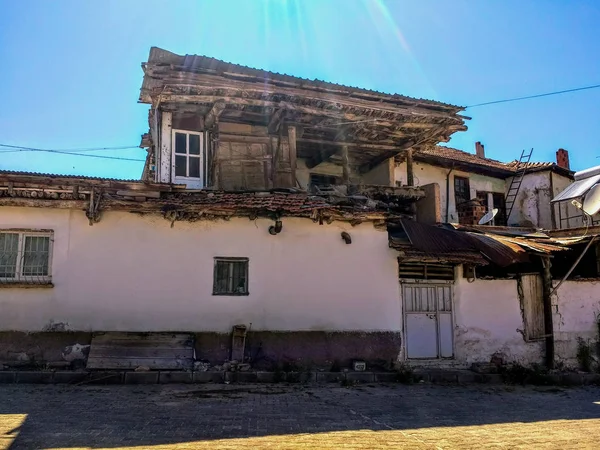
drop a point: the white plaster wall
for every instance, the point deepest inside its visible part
(487, 319)
(426, 173)
(136, 273)
(532, 205)
(576, 307)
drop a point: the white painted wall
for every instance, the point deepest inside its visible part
(576, 307)
(426, 174)
(136, 273)
(532, 205)
(487, 319)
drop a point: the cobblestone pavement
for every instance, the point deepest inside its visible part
(421, 416)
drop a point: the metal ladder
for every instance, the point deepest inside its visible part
(515, 184)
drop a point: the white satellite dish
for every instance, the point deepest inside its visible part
(489, 216)
(591, 202)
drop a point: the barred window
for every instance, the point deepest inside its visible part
(25, 257)
(231, 276)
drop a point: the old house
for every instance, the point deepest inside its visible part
(279, 219)
(263, 203)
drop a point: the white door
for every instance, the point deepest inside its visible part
(187, 161)
(428, 320)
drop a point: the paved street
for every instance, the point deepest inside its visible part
(297, 417)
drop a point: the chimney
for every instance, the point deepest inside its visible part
(479, 149)
(562, 159)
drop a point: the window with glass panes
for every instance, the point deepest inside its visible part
(25, 256)
(187, 153)
(230, 276)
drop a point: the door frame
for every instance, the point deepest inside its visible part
(428, 283)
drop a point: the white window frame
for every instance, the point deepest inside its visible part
(190, 182)
(18, 276)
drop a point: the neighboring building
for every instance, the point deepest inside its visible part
(462, 177)
(306, 213)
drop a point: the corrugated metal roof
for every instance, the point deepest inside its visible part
(429, 238)
(58, 175)
(577, 189)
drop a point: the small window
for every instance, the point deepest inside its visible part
(462, 190)
(25, 257)
(231, 276)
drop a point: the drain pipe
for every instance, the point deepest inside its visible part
(448, 194)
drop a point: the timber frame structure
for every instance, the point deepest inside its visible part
(259, 124)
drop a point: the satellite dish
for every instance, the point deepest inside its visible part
(591, 202)
(488, 216)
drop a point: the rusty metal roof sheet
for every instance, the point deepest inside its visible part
(501, 250)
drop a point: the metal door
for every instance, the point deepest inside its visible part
(428, 320)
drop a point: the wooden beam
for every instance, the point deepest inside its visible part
(349, 144)
(293, 154)
(213, 115)
(410, 178)
(345, 166)
(164, 159)
(275, 121)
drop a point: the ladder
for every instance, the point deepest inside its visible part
(515, 184)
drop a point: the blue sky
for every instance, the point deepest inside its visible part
(70, 70)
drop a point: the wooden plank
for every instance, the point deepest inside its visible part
(292, 152)
(345, 166)
(130, 350)
(164, 167)
(133, 363)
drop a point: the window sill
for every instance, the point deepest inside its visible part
(25, 285)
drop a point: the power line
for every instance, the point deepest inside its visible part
(90, 149)
(595, 86)
(31, 149)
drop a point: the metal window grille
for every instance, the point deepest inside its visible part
(230, 276)
(25, 257)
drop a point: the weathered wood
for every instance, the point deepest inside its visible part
(275, 121)
(547, 298)
(43, 203)
(410, 178)
(292, 149)
(164, 167)
(213, 115)
(345, 165)
(229, 137)
(130, 350)
(139, 194)
(349, 144)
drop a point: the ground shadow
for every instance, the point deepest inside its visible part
(144, 416)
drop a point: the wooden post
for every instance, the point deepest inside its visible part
(548, 324)
(410, 179)
(345, 165)
(293, 153)
(164, 170)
